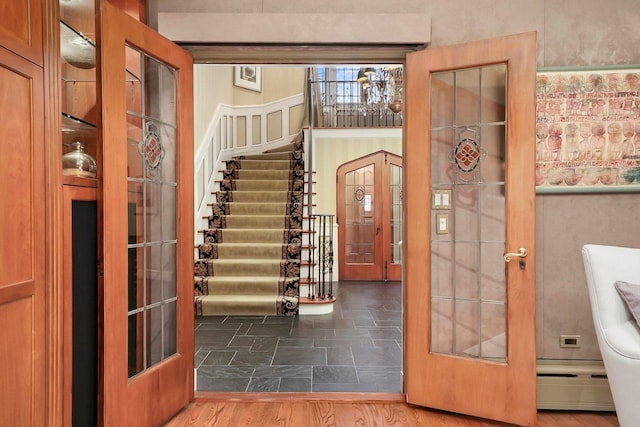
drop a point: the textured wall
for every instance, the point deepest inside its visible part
(576, 33)
(570, 32)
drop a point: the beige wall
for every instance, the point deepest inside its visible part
(570, 33)
(277, 83)
(342, 147)
(211, 87)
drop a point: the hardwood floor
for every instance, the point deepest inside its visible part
(346, 410)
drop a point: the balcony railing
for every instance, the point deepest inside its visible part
(340, 104)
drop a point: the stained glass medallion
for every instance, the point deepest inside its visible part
(467, 155)
(151, 149)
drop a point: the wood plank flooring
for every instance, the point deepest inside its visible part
(345, 410)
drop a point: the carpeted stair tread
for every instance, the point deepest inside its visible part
(283, 155)
(253, 196)
(265, 164)
(239, 305)
(255, 221)
(255, 235)
(264, 175)
(255, 208)
(243, 267)
(234, 281)
(250, 250)
(230, 285)
(247, 262)
(262, 185)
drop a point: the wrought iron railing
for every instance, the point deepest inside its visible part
(321, 255)
(341, 104)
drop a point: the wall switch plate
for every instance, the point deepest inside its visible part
(441, 199)
(442, 223)
(570, 341)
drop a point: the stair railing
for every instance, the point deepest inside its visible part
(311, 258)
(309, 175)
(324, 231)
(325, 255)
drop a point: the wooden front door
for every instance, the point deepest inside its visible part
(147, 223)
(470, 207)
(369, 208)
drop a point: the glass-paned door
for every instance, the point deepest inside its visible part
(392, 221)
(468, 146)
(153, 238)
(369, 207)
(147, 197)
(360, 216)
(469, 240)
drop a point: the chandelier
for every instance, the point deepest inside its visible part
(381, 87)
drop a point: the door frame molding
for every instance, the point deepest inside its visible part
(336, 54)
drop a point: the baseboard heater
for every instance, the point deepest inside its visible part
(573, 385)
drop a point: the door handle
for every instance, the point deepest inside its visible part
(377, 230)
(522, 252)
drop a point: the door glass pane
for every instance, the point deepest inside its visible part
(360, 220)
(151, 147)
(468, 152)
(396, 213)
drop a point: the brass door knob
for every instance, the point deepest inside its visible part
(522, 252)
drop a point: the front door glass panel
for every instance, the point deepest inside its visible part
(151, 165)
(396, 213)
(468, 152)
(360, 215)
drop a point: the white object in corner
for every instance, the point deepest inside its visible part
(617, 332)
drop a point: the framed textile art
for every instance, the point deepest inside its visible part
(587, 130)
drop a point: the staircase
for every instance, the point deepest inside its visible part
(249, 263)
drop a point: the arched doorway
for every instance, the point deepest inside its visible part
(369, 215)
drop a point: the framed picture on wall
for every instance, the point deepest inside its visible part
(248, 77)
(587, 130)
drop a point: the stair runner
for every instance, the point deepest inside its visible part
(249, 263)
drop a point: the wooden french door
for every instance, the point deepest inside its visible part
(469, 209)
(369, 208)
(147, 223)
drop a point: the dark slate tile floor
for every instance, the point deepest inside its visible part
(357, 348)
